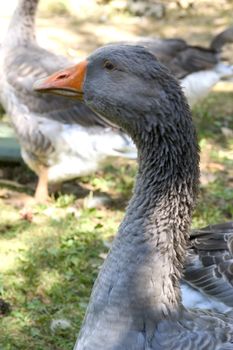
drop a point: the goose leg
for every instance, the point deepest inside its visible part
(42, 193)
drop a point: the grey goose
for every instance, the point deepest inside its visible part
(136, 300)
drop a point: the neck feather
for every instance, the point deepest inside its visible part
(21, 30)
(159, 213)
(139, 281)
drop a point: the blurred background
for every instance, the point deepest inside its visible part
(48, 261)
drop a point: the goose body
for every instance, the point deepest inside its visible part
(198, 68)
(59, 139)
(197, 85)
(74, 150)
(136, 301)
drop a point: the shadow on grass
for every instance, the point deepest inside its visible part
(17, 177)
(52, 281)
(11, 230)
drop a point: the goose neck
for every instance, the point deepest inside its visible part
(140, 278)
(139, 282)
(158, 218)
(21, 30)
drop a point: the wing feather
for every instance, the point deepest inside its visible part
(209, 266)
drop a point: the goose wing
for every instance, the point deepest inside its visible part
(195, 330)
(181, 58)
(209, 266)
(28, 64)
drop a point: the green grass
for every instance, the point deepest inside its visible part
(51, 271)
(216, 195)
(48, 266)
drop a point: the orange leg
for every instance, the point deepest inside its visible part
(42, 193)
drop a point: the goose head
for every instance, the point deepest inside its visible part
(124, 84)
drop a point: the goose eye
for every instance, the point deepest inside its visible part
(109, 65)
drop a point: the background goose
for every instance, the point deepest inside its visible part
(197, 67)
(75, 141)
(136, 300)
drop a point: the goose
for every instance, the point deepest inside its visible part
(136, 300)
(59, 139)
(198, 68)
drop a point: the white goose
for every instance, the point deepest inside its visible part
(59, 139)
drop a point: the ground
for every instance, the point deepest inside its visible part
(48, 263)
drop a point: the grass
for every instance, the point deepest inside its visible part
(43, 285)
(216, 190)
(48, 266)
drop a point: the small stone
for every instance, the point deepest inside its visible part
(96, 201)
(227, 132)
(207, 178)
(107, 244)
(74, 211)
(148, 9)
(60, 325)
(103, 255)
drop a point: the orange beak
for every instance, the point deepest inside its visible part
(68, 82)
